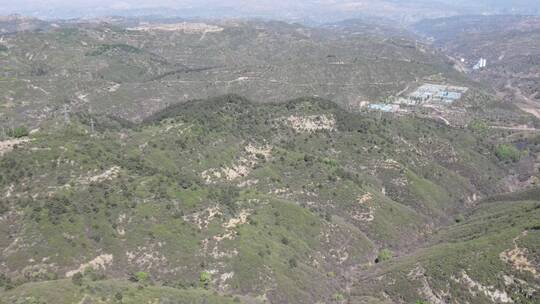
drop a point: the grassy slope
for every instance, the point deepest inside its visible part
(108, 291)
(474, 247)
(304, 225)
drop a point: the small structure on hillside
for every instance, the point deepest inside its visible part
(482, 63)
(384, 107)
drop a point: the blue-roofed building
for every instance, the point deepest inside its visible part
(448, 97)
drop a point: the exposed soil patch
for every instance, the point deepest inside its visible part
(8, 145)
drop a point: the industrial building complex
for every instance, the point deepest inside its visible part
(426, 95)
(433, 93)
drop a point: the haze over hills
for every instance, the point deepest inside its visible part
(310, 11)
(152, 159)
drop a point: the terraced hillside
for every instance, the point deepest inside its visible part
(231, 200)
(132, 70)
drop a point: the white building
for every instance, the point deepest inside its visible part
(482, 63)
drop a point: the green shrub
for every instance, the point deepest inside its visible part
(338, 297)
(507, 152)
(5, 282)
(478, 126)
(18, 132)
(77, 279)
(94, 274)
(384, 255)
(142, 276)
(118, 296)
(204, 279)
(293, 263)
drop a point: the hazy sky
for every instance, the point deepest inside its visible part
(127, 4)
(137, 4)
(244, 6)
(64, 8)
(29, 4)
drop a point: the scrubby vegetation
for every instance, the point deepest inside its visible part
(384, 255)
(507, 152)
(479, 126)
(132, 74)
(228, 195)
(481, 260)
(129, 190)
(18, 132)
(119, 47)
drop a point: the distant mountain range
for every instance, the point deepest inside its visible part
(310, 11)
